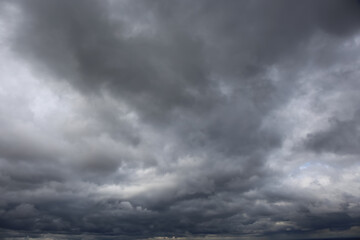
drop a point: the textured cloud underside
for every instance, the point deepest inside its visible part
(145, 119)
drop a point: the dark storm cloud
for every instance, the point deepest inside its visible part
(342, 137)
(86, 43)
(175, 118)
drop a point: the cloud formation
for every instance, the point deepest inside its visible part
(194, 119)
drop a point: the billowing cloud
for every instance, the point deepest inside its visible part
(192, 119)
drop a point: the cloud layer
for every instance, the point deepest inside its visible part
(145, 119)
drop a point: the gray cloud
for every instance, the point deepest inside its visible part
(342, 137)
(156, 119)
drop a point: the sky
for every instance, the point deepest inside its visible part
(158, 119)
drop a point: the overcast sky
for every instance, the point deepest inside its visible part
(195, 119)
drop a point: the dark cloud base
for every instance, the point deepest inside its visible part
(209, 119)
